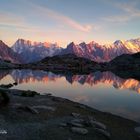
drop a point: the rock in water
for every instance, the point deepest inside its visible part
(15, 83)
(79, 130)
(7, 86)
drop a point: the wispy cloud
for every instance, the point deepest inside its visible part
(130, 12)
(8, 19)
(46, 12)
(11, 20)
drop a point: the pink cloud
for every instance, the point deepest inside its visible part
(46, 12)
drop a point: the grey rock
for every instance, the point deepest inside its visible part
(103, 132)
(32, 110)
(16, 105)
(88, 121)
(79, 130)
(91, 118)
(48, 94)
(82, 106)
(29, 109)
(77, 121)
(76, 115)
(63, 124)
(76, 124)
(2, 120)
(137, 130)
(97, 124)
(50, 108)
(57, 99)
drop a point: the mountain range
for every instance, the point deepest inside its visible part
(25, 51)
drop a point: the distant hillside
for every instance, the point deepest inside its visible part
(67, 59)
(125, 66)
(64, 62)
(126, 61)
(6, 64)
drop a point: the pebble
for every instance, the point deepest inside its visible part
(79, 130)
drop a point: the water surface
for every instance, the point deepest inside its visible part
(101, 90)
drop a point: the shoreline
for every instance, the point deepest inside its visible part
(55, 114)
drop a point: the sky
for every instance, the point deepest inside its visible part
(64, 21)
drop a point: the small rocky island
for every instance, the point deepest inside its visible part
(27, 115)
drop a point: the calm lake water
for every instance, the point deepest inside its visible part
(101, 90)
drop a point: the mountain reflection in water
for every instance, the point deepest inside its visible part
(108, 78)
(101, 90)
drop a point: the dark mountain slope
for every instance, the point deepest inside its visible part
(6, 53)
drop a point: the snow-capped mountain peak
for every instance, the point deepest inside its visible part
(103, 53)
(35, 51)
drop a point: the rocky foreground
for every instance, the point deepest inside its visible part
(27, 115)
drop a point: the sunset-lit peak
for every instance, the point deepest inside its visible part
(92, 43)
(131, 84)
